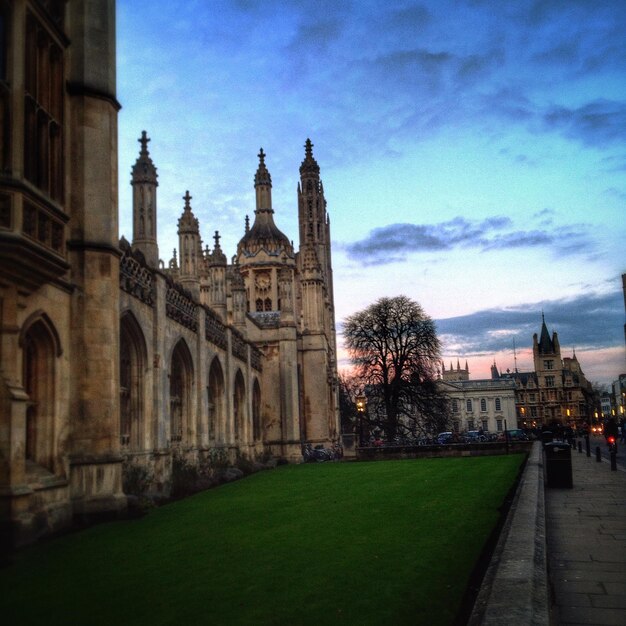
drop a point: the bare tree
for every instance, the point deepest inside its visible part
(349, 389)
(395, 349)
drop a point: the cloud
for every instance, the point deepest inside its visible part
(597, 123)
(414, 18)
(394, 242)
(585, 321)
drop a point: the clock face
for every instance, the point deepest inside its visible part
(262, 281)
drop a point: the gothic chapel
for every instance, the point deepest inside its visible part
(107, 355)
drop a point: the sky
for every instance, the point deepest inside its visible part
(473, 153)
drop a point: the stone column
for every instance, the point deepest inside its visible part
(95, 461)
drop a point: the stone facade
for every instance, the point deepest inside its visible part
(556, 391)
(107, 355)
(487, 404)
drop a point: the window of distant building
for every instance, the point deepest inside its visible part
(499, 425)
(483, 405)
(485, 425)
(533, 411)
(533, 397)
(498, 405)
(468, 406)
(549, 381)
(548, 365)
(259, 305)
(470, 424)
(455, 405)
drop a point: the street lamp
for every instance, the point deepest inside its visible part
(361, 402)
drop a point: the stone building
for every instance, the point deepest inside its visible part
(107, 355)
(487, 404)
(556, 391)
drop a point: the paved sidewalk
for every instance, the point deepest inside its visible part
(586, 542)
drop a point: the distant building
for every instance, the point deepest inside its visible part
(618, 397)
(487, 404)
(606, 405)
(557, 391)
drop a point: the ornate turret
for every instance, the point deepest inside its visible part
(216, 263)
(264, 234)
(144, 183)
(314, 224)
(190, 247)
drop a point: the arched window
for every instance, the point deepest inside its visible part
(468, 406)
(181, 380)
(499, 404)
(132, 366)
(256, 411)
(259, 305)
(483, 405)
(216, 400)
(239, 406)
(40, 345)
(268, 304)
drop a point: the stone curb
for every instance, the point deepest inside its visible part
(515, 587)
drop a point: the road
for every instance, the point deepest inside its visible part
(595, 441)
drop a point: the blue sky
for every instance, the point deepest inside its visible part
(473, 153)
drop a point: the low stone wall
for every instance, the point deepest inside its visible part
(515, 586)
(387, 453)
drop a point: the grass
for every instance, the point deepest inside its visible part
(354, 543)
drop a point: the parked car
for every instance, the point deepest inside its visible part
(474, 436)
(443, 438)
(517, 434)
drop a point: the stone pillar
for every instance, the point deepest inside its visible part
(95, 461)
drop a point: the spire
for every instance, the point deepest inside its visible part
(545, 343)
(309, 165)
(494, 371)
(144, 171)
(262, 176)
(144, 184)
(218, 254)
(247, 224)
(188, 223)
(143, 140)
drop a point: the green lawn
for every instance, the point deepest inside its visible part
(339, 543)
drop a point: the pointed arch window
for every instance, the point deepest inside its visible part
(259, 305)
(216, 399)
(132, 365)
(239, 406)
(256, 411)
(181, 380)
(40, 347)
(268, 304)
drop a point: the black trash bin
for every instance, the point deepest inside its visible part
(546, 436)
(558, 464)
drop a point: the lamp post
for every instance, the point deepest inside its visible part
(361, 402)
